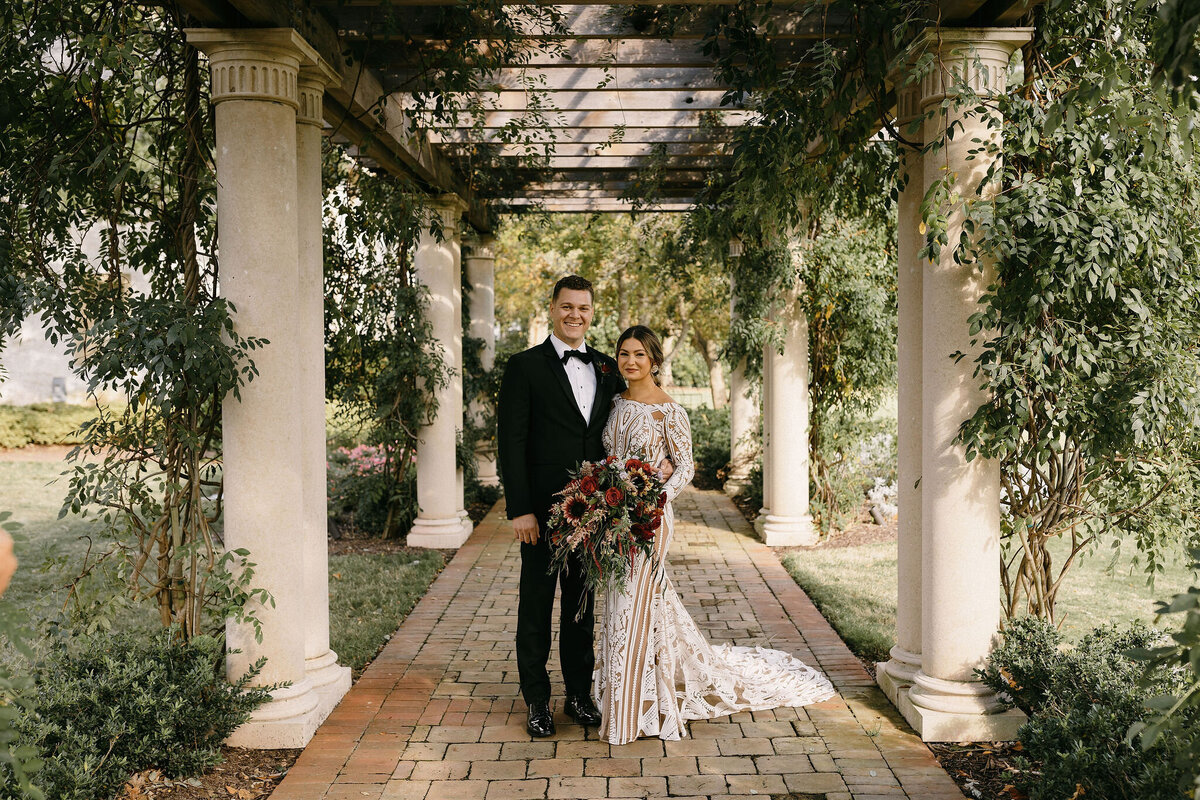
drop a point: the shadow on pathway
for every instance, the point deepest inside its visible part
(438, 715)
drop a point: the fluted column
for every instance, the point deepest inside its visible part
(960, 499)
(896, 674)
(743, 416)
(480, 262)
(786, 521)
(442, 521)
(254, 88)
(330, 680)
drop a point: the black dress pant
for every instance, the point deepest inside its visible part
(535, 607)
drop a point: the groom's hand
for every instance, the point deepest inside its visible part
(666, 468)
(526, 528)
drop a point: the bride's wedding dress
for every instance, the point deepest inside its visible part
(654, 668)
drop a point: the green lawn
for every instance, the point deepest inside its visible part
(864, 611)
(369, 594)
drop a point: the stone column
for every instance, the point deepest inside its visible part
(960, 499)
(743, 417)
(480, 263)
(896, 674)
(767, 394)
(320, 663)
(254, 89)
(442, 520)
(786, 521)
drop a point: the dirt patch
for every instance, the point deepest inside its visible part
(982, 770)
(36, 452)
(242, 775)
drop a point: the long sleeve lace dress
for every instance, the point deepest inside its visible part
(654, 668)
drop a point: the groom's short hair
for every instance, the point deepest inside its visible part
(573, 282)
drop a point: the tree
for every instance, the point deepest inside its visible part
(1091, 343)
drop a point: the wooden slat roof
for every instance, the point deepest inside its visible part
(607, 93)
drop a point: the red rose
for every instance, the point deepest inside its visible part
(588, 485)
(632, 463)
(614, 496)
(662, 499)
(605, 368)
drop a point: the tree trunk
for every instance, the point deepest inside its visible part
(539, 328)
(622, 302)
(716, 370)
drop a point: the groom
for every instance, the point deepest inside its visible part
(554, 403)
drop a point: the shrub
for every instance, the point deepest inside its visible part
(112, 705)
(853, 454)
(710, 446)
(43, 423)
(1081, 701)
(362, 493)
(1177, 712)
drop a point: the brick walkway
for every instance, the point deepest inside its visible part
(438, 716)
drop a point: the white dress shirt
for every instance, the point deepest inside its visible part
(581, 376)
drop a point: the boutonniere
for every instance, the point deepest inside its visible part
(605, 369)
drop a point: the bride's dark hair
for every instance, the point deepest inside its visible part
(649, 340)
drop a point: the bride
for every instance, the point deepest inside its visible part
(654, 668)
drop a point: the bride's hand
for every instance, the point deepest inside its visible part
(666, 469)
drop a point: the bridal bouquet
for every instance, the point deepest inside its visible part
(610, 510)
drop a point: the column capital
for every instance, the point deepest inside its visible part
(254, 63)
(448, 210)
(978, 56)
(482, 246)
(312, 82)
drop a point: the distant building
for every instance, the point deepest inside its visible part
(36, 371)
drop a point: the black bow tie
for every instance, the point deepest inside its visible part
(582, 356)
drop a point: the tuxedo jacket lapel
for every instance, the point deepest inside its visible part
(560, 373)
(603, 393)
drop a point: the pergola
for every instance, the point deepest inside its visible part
(623, 95)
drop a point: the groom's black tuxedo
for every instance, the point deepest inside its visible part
(542, 435)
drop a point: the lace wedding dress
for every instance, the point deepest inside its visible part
(654, 668)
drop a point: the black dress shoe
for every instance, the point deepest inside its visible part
(541, 721)
(582, 710)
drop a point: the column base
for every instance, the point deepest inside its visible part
(954, 711)
(288, 720)
(486, 462)
(330, 680)
(897, 673)
(736, 484)
(780, 531)
(441, 534)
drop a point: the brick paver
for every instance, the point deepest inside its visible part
(438, 714)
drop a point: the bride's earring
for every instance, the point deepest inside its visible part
(654, 370)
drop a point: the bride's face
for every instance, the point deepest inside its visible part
(633, 361)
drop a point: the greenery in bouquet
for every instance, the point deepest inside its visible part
(609, 511)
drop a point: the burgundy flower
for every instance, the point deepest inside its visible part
(662, 499)
(605, 369)
(633, 463)
(588, 485)
(614, 496)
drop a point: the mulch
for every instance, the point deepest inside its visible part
(242, 775)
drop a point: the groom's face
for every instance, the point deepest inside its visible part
(571, 311)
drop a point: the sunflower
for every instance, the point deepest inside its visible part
(575, 507)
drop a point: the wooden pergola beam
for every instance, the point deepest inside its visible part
(352, 106)
(427, 24)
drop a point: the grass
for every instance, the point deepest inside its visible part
(369, 594)
(864, 611)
